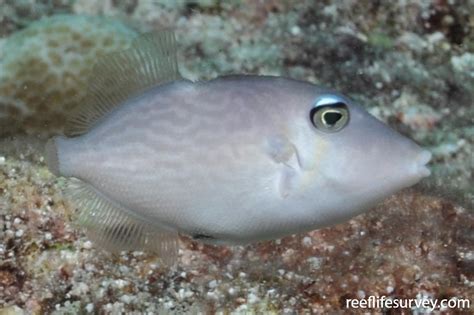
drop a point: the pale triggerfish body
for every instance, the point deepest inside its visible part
(232, 160)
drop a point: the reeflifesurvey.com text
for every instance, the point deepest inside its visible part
(385, 302)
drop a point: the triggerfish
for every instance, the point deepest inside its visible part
(233, 160)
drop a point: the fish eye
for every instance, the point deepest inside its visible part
(329, 116)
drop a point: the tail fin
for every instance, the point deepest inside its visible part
(51, 155)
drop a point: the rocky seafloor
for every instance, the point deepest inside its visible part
(411, 63)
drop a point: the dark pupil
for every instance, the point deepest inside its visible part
(332, 118)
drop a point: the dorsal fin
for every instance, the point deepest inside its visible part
(121, 75)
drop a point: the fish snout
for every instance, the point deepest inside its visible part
(422, 161)
(409, 162)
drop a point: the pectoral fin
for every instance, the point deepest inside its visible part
(282, 151)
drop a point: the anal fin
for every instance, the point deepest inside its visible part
(114, 228)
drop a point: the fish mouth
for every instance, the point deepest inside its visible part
(421, 164)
